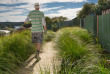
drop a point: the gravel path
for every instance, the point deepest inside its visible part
(45, 65)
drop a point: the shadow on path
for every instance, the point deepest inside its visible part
(33, 66)
(27, 68)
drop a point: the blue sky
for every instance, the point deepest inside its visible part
(17, 10)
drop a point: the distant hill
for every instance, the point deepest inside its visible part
(12, 23)
(3, 25)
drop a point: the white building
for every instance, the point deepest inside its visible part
(16, 27)
(6, 31)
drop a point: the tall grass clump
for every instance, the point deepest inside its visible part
(14, 50)
(70, 47)
(83, 34)
(78, 52)
(49, 36)
(71, 43)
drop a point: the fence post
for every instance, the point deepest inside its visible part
(80, 22)
(97, 26)
(84, 22)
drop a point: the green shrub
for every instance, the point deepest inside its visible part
(55, 27)
(79, 54)
(49, 36)
(15, 49)
(71, 43)
(79, 32)
(2, 33)
(70, 48)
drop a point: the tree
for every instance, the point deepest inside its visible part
(58, 19)
(61, 18)
(56, 22)
(48, 20)
(102, 2)
(55, 19)
(102, 5)
(87, 9)
(80, 14)
(92, 8)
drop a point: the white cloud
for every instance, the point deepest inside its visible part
(15, 18)
(3, 8)
(47, 9)
(11, 15)
(49, 1)
(28, 7)
(15, 10)
(12, 12)
(42, 7)
(40, 1)
(69, 13)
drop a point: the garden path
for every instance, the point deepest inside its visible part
(46, 64)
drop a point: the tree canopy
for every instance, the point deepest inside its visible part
(53, 20)
(96, 9)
